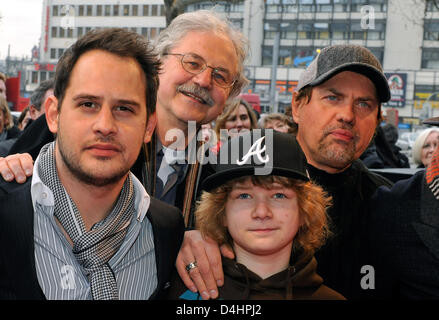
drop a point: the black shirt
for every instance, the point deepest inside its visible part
(341, 258)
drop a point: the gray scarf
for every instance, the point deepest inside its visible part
(93, 249)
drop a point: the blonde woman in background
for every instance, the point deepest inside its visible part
(424, 147)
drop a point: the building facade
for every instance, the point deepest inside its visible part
(403, 34)
(64, 21)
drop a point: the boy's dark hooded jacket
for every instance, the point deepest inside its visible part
(298, 282)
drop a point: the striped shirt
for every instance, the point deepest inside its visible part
(60, 275)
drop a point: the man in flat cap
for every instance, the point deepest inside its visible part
(337, 107)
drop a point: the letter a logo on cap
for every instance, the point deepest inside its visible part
(256, 149)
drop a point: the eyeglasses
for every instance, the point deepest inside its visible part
(195, 64)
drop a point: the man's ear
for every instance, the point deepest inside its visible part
(295, 107)
(32, 111)
(52, 114)
(150, 127)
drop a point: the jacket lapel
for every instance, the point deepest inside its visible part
(158, 256)
(163, 255)
(168, 228)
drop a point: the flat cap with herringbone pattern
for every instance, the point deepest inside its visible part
(335, 59)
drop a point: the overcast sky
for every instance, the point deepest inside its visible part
(20, 26)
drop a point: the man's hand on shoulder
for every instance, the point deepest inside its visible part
(207, 275)
(16, 166)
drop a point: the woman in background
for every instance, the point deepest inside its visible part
(424, 147)
(277, 121)
(238, 116)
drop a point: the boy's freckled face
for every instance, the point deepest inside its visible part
(262, 221)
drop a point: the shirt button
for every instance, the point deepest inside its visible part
(44, 195)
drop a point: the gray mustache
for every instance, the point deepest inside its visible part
(197, 91)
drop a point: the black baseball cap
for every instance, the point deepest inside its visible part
(337, 58)
(258, 152)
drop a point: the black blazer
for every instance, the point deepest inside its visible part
(18, 278)
(405, 239)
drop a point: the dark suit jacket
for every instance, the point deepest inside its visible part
(18, 278)
(405, 239)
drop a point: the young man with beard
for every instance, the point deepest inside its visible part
(203, 63)
(84, 227)
(336, 106)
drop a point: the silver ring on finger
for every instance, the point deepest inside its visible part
(191, 266)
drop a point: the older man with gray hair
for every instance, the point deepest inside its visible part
(203, 66)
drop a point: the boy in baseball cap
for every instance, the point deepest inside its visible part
(261, 202)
